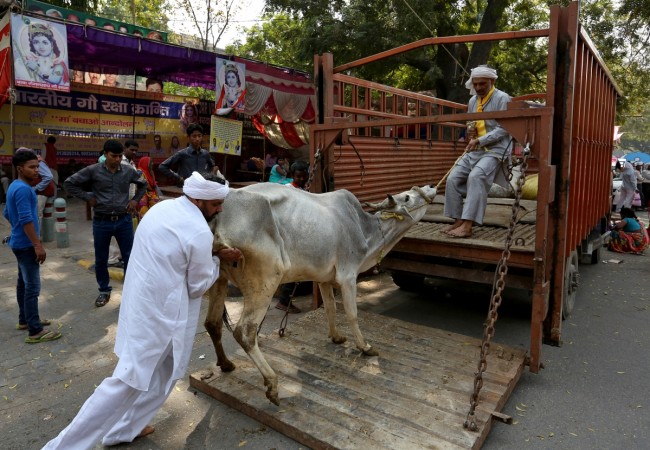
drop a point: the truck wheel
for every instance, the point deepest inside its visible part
(407, 280)
(571, 281)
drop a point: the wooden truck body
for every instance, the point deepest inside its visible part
(373, 139)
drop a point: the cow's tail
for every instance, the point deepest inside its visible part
(226, 319)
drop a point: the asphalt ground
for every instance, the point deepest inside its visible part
(592, 393)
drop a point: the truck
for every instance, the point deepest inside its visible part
(373, 139)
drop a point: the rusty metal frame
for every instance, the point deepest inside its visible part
(571, 134)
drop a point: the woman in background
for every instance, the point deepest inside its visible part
(628, 234)
(151, 196)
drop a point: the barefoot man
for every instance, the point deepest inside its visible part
(481, 165)
(172, 265)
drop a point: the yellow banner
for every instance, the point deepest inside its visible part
(225, 136)
(83, 119)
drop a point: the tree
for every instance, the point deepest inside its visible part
(211, 18)
(353, 29)
(145, 13)
(277, 41)
(86, 6)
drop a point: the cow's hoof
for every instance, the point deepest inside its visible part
(273, 397)
(339, 340)
(370, 352)
(226, 366)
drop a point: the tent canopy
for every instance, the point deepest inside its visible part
(119, 53)
(638, 157)
(285, 95)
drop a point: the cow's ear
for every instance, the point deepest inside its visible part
(391, 201)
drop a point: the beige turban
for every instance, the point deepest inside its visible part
(480, 72)
(199, 188)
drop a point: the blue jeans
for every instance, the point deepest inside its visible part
(103, 230)
(28, 288)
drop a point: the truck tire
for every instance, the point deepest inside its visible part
(571, 281)
(407, 280)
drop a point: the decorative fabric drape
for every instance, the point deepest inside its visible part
(280, 116)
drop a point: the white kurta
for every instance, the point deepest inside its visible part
(170, 268)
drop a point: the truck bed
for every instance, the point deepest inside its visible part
(426, 249)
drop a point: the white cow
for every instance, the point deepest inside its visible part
(289, 235)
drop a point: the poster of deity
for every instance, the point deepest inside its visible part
(231, 85)
(40, 50)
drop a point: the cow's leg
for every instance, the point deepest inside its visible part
(349, 294)
(327, 291)
(255, 308)
(214, 321)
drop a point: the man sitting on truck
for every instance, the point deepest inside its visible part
(483, 161)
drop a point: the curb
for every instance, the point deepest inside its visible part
(113, 272)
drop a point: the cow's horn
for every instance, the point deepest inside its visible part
(373, 206)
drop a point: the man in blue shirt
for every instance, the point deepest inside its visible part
(21, 213)
(190, 159)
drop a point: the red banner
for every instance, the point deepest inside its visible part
(5, 66)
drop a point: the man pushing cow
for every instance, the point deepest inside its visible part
(172, 265)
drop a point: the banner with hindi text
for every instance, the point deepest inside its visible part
(83, 119)
(225, 136)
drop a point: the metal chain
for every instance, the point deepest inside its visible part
(312, 171)
(497, 289)
(284, 322)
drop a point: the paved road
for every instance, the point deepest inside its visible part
(591, 395)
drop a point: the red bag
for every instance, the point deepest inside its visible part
(49, 191)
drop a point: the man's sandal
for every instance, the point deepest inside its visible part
(102, 299)
(24, 326)
(43, 336)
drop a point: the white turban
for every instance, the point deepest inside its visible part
(199, 188)
(480, 72)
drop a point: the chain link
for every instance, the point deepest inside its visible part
(312, 171)
(284, 322)
(499, 285)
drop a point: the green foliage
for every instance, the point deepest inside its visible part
(187, 91)
(277, 41)
(152, 14)
(86, 6)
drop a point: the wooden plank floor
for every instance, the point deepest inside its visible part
(483, 236)
(415, 394)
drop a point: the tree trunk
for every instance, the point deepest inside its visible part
(452, 85)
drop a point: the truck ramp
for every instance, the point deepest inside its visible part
(415, 394)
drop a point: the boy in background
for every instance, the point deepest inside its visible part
(21, 212)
